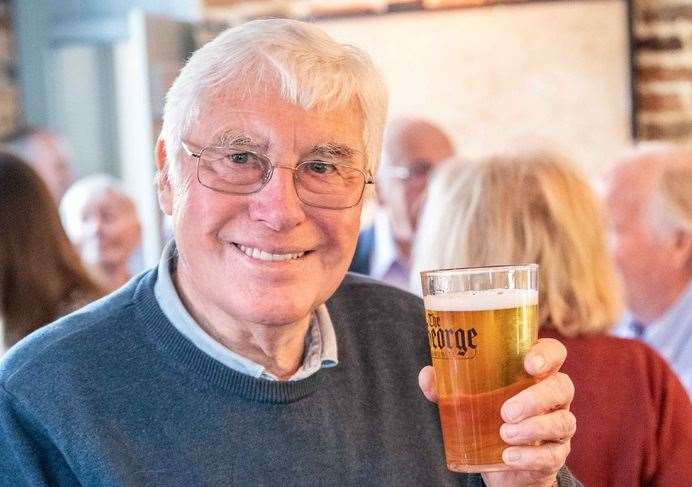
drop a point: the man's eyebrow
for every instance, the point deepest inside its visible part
(235, 139)
(334, 150)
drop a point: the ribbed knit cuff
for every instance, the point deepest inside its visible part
(564, 479)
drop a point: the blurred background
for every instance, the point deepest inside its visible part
(587, 77)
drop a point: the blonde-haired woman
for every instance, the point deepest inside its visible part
(634, 417)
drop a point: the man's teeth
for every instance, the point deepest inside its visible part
(262, 255)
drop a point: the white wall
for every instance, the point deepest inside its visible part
(495, 77)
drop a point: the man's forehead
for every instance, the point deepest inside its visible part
(252, 102)
(628, 190)
(259, 122)
(411, 142)
(638, 175)
(109, 198)
(415, 153)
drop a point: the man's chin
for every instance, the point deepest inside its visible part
(110, 262)
(278, 318)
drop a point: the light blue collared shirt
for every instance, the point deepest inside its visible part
(384, 264)
(670, 335)
(320, 341)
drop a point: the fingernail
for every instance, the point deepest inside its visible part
(511, 456)
(537, 363)
(509, 431)
(513, 410)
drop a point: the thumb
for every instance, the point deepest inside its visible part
(426, 382)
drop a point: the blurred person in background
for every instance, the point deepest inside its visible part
(47, 153)
(634, 418)
(648, 195)
(101, 220)
(249, 356)
(411, 148)
(41, 276)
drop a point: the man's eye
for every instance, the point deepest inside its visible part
(320, 167)
(420, 169)
(240, 158)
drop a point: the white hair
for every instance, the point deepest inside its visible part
(669, 167)
(307, 66)
(82, 192)
(676, 195)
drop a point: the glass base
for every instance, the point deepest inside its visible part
(497, 467)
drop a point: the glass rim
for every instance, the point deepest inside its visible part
(479, 269)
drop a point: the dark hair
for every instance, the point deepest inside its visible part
(41, 275)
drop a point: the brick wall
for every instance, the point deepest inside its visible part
(663, 61)
(9, 97)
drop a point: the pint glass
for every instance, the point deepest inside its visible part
(480, 323)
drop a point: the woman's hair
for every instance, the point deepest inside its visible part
(513, 209)
(41, 276)
(307, 66)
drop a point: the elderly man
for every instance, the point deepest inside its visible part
(101, 220)
(649, 198)
(249, 357)
(47, 154)
(412, 147)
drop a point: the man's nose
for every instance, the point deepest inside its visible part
(101, 227)
(277, 203)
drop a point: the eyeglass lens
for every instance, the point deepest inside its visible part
(317, 183)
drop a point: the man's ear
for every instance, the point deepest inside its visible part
(682, 250)
(377, 190)
(163, 183)
(378, 196)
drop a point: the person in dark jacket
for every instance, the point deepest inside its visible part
(411, 149)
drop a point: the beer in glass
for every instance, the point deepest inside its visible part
(480, 324)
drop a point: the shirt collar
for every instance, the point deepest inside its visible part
(384, 253)
(678, 312)
(320, 341)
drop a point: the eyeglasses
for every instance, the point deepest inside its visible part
(322, 184)
(407, 173)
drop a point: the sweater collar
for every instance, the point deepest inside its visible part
(185, 356)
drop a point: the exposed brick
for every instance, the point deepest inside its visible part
(666, 13)
(660, 131)
(9, 100)
(442, 4)
(658, 102)
(403, 6)
(652, 43)
(662, 73)
(326, 10)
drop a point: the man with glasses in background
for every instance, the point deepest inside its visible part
(411, 148)
(249, 356)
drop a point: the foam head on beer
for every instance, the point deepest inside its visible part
(487, 299)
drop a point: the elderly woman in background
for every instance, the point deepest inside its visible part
(634, 417)
(101, 220)
(41, 276)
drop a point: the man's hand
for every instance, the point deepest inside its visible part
(538, 422)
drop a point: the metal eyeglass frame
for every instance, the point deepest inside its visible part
(367, 177)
